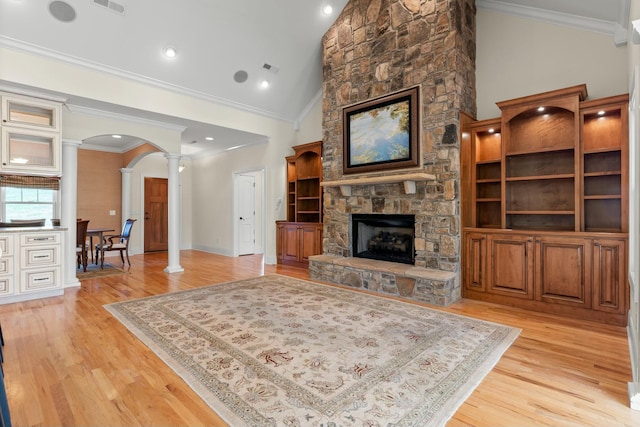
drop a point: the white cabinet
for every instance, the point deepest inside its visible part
(30, 136)
(7, 282)
(31, 264)
(31, 113)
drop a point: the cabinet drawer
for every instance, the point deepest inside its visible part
(6, 285)
(6, 244)
(31, 239)
(6, 265)
(36, 280)
(40, 256)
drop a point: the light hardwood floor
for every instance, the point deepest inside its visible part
(69, 363)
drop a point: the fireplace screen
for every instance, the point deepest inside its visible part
(383, 237)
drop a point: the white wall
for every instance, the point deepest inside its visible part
(213, 221)
(311, 126)
(516, 57)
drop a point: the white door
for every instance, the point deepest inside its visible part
(247, 214)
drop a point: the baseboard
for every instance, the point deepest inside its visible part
(213, 250)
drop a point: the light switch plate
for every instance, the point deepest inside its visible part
(112, 213)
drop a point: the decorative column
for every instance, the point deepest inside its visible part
(126, 193)
(174, 213)
(69, 196)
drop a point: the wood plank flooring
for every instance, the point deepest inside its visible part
(69, 363)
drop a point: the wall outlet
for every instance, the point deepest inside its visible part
(112, 213)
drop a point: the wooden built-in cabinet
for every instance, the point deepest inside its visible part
(297, 241)
(547, 190)
(300, 236)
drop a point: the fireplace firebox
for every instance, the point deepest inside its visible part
(383, 237)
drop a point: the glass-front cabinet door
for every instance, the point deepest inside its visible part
(30, 113)
(27, 151)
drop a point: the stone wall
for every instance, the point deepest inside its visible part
(377, 47)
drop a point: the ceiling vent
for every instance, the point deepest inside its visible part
(111, 5)
(271, 68)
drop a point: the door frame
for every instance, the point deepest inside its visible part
(259, 203)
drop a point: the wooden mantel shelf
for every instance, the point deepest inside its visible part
(409, 181)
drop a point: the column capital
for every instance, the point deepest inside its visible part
(126, 170)
(170, 156)
(71, 143)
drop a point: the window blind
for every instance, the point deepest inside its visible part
(25, 181)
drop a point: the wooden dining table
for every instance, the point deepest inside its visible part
(97, 232)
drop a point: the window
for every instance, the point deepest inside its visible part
(29, 197)
(28, 203)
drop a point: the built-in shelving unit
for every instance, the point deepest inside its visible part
(300, 236)
(547, 189)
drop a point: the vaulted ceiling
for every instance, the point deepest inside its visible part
(224, 48)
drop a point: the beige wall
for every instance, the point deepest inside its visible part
(100, 188)
(517, 57)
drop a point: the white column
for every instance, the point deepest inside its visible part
(174, 214)
(69, 197)
(126, 193)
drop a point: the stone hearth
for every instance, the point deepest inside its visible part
(378, 47)
(416, 283)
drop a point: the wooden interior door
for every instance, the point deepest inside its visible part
(156, 213)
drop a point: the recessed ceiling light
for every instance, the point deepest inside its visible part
(169, 52)
(116, 136)
(209, 138)
(327, 9)
(264, 84)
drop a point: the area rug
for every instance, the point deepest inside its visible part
(94, 271)
(279, 351)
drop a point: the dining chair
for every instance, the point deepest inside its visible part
(117, 242)
(81, 243)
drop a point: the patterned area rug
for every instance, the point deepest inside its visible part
(94, 271)
(278, 351)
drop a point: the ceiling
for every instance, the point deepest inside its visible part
(217, 43)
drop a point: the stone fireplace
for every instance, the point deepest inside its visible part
(378, 47)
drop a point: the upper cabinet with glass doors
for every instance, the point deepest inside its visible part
(30, 136)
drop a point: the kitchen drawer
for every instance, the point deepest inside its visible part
(40, 279)
(6, 265)
(32, 239)
(7, 285)
(40, 256)
(6, 244)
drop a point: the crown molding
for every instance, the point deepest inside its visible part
(19, 45)
(32, 93)
(584, 23)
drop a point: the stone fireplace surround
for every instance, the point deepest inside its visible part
(414, 282)
(377, 47)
